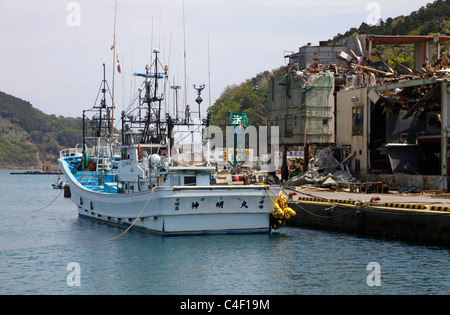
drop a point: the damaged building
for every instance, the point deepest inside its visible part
(392, 124)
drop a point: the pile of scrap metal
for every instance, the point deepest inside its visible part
(357, 71)
(324, 170)
(412, 99)
(382, 73)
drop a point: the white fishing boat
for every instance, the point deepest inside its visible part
(134, 180)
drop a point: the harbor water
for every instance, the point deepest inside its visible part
(46, 249)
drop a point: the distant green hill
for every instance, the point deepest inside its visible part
(29, 138)
(430, 19)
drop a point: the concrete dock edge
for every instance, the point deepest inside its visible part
(416, 223)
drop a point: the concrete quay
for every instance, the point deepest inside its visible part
(417, 218)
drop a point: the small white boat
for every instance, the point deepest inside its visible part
(59, 184)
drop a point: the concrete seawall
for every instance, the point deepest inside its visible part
(411, 218)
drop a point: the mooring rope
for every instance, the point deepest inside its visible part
(268, 192)
(309, 195)
(137, 218)
(50, 202)
(323, 216)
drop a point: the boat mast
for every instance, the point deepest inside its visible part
(184, 44)
(114, 68)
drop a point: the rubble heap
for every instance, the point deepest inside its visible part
(358, 72)
(324, 171)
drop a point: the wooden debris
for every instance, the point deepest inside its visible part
(370, 69)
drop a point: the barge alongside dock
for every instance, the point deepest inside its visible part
(411, 218)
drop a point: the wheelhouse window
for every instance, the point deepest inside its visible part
(124, 154)
(128, 139)
(190, 180)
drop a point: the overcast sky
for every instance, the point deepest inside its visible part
(52, 51)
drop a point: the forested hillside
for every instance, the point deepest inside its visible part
(429, 19)
(29, 137)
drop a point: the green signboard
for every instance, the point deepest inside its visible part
(236, 119)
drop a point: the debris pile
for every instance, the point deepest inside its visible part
(351, 70)
(324, 171)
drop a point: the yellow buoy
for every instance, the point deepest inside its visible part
(290, 211)
(280, 214)
(282, 203)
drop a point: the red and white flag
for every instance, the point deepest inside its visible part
(118, 65)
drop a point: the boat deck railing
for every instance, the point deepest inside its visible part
(73, 152)
(69, 152)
